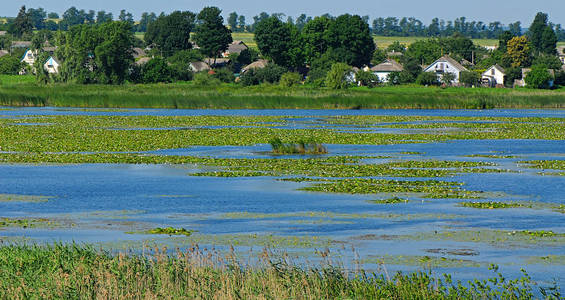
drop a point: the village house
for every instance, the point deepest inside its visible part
(384, 69)
(235, 47)
(217, 62)
(199, 66)
(525, 71)
(3, 53)
(260, 64)
(142, 61)
(444, 65)
(21, 44)
(3, 33)
(29, 57)
(494, 76)
(138, 52)
(561, 54)
(52, 65)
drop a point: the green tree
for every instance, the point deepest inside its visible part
(541, 35)
(271, 73)
(425, 51)
(518, 51)
(538, 77)
(232, 21)
(10, 65)
(379, 56)
(396, 46)
(22, 24)
(37, 17)
(549, 61)
(156, 70)
(503, 40)
(469, 78)
(171, 33)
(314, 37)
(337, 76)
(114, 54)
(212, 36)
(350, 41)
(241, 23)
(274, 40)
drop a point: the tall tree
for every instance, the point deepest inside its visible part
(232, 21)
(350, 40)
(37, 17)
(103, 17)
(519, 51)
(114, 55)
(314, 36)
(22, 24)
(273, 39)
(212, 36)
(126, 17)
(171, 33)
(541, 35)
(241, 23)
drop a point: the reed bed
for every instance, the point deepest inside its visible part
(232, 96)
(79, 272)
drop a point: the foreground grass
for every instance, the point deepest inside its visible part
(233, 96)
(79, 272)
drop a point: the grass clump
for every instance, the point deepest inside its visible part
(170, 231)
(300, 147)
(80, 272)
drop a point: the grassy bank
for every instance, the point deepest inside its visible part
(232, 96)
(79, 272)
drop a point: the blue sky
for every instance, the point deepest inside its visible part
(484, 10)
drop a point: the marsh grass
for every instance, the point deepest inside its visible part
(232, 96)
(80, 272)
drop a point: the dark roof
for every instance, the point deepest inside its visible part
(389, 65)
(21, 44)
(217, 61)
(138, 52)
(49, 49)
(237, 47)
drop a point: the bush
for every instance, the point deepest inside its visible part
(393, 78)
(290, 79)
(337, 76)
(205, 79)
(272, 73)
(224, 75)
(447, 78)
(538, 78)
(156, 70)
(10, 65)
(469, 78)
(367, 79)
(249, 78)
(427, 78)
(511, 75)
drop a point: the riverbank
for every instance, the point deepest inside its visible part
(233, 96)
(77, 272)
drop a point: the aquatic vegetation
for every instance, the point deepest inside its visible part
(393, 200)
(433, 189)
(497, 156)
(429, 262)
(493, 205)
(27, 223)
(550, 260)
(546, 166)
(317, 215)
(170, 231)
(23, 198)
(498, 238)
(70, 270)
(299, 147)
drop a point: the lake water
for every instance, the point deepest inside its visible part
(104, 203)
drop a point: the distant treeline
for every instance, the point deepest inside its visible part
(389, 26)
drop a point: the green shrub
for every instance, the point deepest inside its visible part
(10, 65)
(427, 78)
(249, 78)
(469, 78)
(337, 76)
(290, 79)
(205, 79)
(538, 77)
(368, 79)
(224, 75)
(156, 70)
(272, 73)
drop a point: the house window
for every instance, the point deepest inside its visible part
(492, 72)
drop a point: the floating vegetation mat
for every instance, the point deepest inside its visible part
(499, 238)
(429, 262)
(549, 167)
(170, 231)
(23, 198)
(28, 223)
